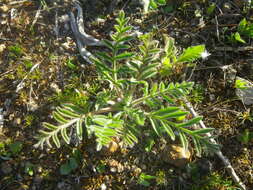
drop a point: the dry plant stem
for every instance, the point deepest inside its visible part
(36, 17)
(82, 38)
(225, 161)
(246, 48)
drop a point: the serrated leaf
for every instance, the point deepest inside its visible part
(191, 53)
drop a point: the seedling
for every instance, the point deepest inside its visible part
(245, 137)
(132, 100)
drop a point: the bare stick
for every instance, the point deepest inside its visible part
(225, 160)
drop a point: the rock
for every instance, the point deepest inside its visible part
(6, 168)
(244, 90)
(2, 48)
(4, 8)
(115, 166)
(113, 147)
(176, 155)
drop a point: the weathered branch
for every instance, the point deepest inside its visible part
(225, 160)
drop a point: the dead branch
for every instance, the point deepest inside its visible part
(225, 160)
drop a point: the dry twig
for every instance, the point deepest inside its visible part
(225, 160)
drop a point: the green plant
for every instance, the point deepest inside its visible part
(245, 137)
(15, 147)
(214, 181)
(171, 60)
(69, 166)
(244, 29)
(29, 168)
(132, 100)
(244, 116)
(72, 163)
(241, 84)
(144, 179)
(161, 178)
(15, 50)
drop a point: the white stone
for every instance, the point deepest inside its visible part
(245, 94)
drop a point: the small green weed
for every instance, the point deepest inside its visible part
(15, 51)
(244, 29)
(144, 179)
(214, 181)
(245, 137)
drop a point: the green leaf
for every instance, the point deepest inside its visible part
(65, 136)
(242, 25)
(15, 147)
(183, 140)
(29, 168)
(108, 44)
(165, 111)
(238, 38)
(79, 129)
(105, 56)
(58, 117)
(191, 54)
(49, 126)
(155, 126)
(211, 8)
(203, 131)
(197, 146)
(56, 141)
(161, 2)
(176, 114)
(150, 143)
(148, 74)
(65, 169)
(190, 122)
(124, 55)
(153, 4)
(168, 130)
(73, 163)
(66, 113)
